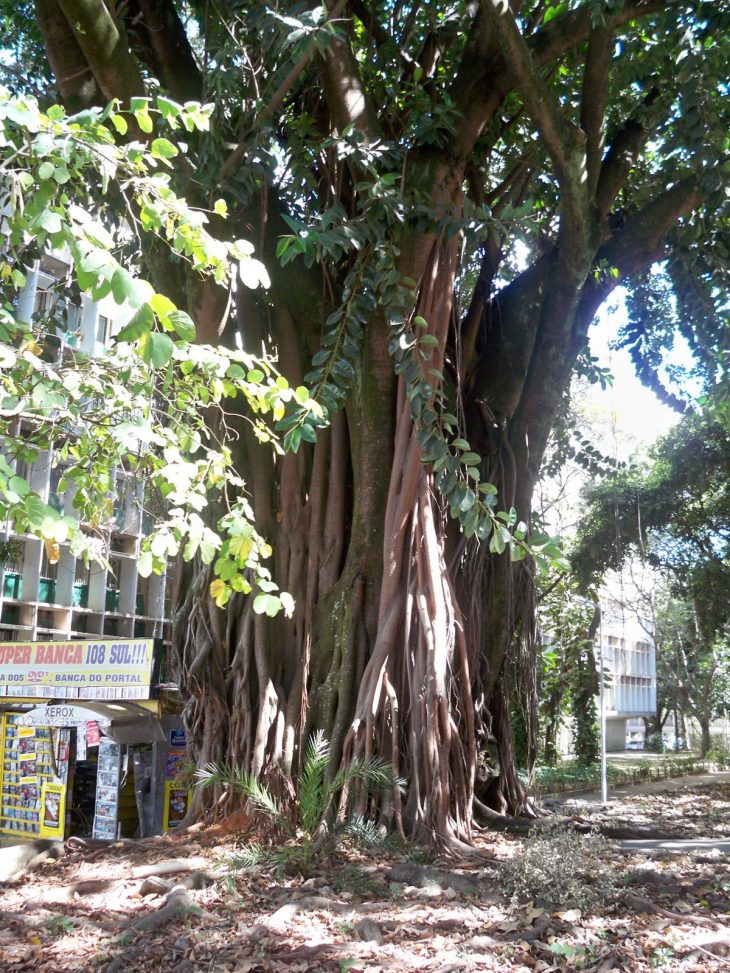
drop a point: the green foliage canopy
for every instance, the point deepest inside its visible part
(675, 512)
(154, 404)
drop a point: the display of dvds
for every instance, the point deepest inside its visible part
(27, 759)
(107, 790)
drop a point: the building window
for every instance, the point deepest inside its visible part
(56, 499)
(47, 584)
(103, 330)
(45, 302)
(63, 316)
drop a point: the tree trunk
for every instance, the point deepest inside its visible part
(705, 737)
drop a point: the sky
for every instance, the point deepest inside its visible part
(621, 421)
(638, 415)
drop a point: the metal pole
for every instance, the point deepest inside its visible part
(604, 766)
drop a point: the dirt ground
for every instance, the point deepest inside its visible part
(125, 908)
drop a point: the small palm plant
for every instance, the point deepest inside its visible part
(317, 831)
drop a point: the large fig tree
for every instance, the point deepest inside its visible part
(444, 195)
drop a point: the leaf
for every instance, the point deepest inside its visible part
(54, 528)
(131, 289)
(50, 221)
(161, 305)
(144, 564)
(220, 592)
(265, 604)
(119, 122)
(287, 603)
(141, 324)
(53, 551)
(95, 260)
(163, 148)
(572, 915)
(183, 324)
(36, 511)
(19, 486)
(144, 121)
(155, 349)
(253, 273)
(240, 547)
(496, 543)
(552, 12)
(531, 913)
(309, 433)
(168, 109)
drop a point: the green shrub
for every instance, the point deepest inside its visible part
(719, 755)
(312, 831)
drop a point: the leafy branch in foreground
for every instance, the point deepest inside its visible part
(154, 404)
(313, 830)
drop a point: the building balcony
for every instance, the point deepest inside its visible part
(80, 597)
(47, 590)
(13, 585)
(57, 501)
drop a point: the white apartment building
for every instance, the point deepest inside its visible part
(627, 648)
(67, 600)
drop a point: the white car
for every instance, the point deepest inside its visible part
(635, 742)
(672, 743)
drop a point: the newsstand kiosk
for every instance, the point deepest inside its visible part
(84, 745)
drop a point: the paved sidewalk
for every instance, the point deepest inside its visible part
(717, 847)
(712, 848)
(578, 798)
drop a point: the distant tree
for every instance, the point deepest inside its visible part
(568, 680)
(693, 671)
(675, 515)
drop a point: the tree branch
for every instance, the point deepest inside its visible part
(637, 245)
(367, 18)
(279, 95)
(594, 97)
(622, 157)
(482, 82)
(348, 101)
(563, 140)
(104, 48)
(642, 239)
(166, 47)
(75, 79)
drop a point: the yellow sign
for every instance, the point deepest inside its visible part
(94, 669)
(177, 802)
(53, 809)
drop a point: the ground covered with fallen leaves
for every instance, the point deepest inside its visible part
(172, 904)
